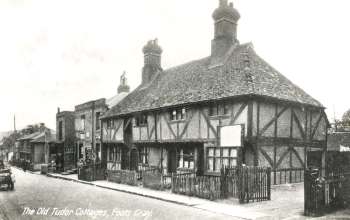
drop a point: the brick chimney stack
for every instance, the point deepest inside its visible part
(225, 18)
(152, 60)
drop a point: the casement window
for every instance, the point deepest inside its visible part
(82, 122)
(185, 158)
(143, 155)
(178, 114)
(115, 154)
(218, 157)
(110, 124)
(141, 120)
(218, 109)
(98, 122)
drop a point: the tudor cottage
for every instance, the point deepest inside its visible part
(173, 119)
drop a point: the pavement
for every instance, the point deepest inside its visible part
(287, 201)
(215, 207)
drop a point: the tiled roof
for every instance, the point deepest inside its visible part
(30, 136)
(41, 138)
(116, 99)
(242, 73)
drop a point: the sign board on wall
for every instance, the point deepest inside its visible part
(231, 136)
(344, 148)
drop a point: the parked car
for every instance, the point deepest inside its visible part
(7, 178)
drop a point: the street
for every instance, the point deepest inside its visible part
(40, 197)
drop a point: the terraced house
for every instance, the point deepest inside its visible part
(173, 119)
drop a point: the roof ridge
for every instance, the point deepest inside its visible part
(185, 64)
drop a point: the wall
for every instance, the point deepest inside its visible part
(89, 135)
(282, 134)
(198, 126)
(115, 132)
(39, 153)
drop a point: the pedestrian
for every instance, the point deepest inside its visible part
(24, 165)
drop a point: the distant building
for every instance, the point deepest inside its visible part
(338, 141)
(24, 147)
(173, 119)
(65, 141)
(36, 147)
(43, 149)
(88, 129)
(82, 128)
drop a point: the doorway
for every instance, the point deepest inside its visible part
(133, 159)
(172, 162)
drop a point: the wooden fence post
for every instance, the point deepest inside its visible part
(269, 183)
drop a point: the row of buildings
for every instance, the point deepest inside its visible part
(226, 109)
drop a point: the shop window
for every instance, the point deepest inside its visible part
(143, 155)
(218, 157)
(141, 120)
(178, 114)
(185, 158)
(218, 109)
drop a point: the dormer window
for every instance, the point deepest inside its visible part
(141, 120)
(178, 114)
(218, 109)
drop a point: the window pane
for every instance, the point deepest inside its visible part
(217, 164)
(225, 162)
(210, 164)
(192, 164)
(225, 152)
(233, 162)
(217, 152)
(211, 152)
(225, 106)
(233, 153)
(186, 164)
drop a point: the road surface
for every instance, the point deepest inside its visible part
(40, 197)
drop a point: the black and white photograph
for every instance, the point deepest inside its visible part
(174, 109)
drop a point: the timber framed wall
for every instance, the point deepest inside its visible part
(278, 134)
(282, 134)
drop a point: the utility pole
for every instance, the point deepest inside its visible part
(14, 123)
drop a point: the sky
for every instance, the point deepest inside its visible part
(66, 52)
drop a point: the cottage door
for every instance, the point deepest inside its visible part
(133, 159)
(172, 165)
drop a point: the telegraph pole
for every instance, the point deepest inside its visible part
(14, 123)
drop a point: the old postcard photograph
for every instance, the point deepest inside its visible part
(174, 109)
